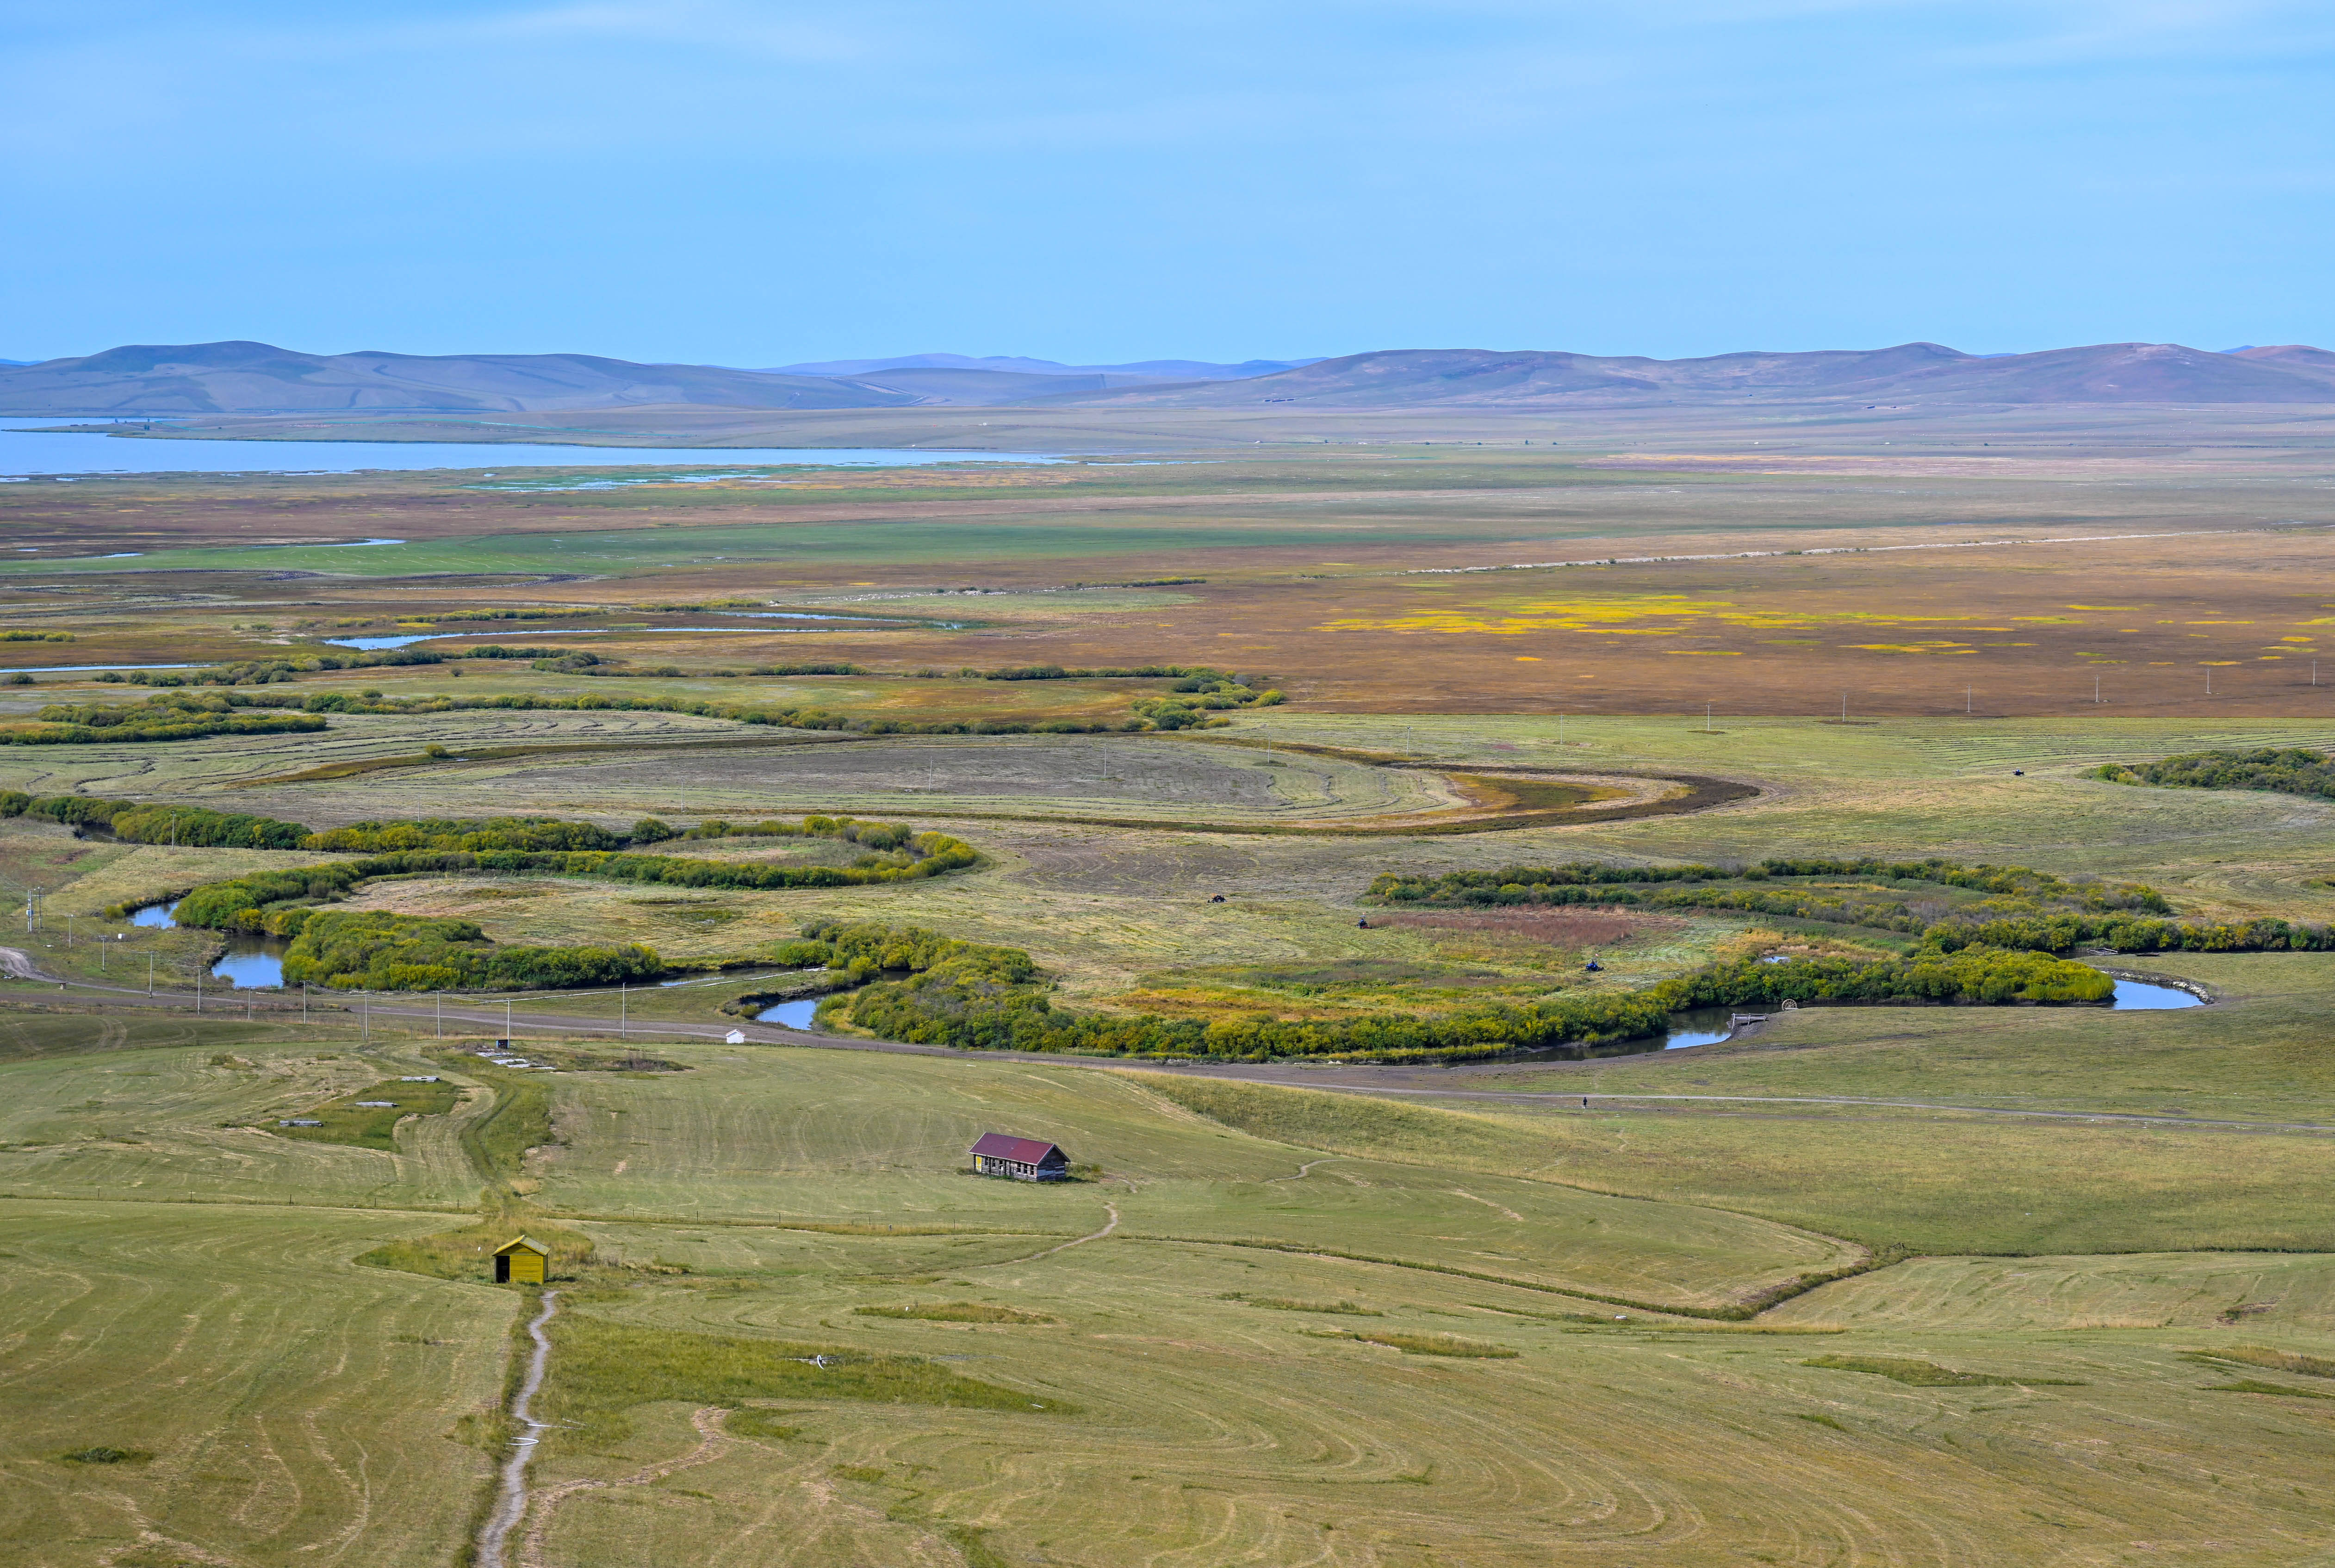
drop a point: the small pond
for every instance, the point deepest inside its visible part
(2139, 996)
(251, 962)
(794, 1014)
(1706, 1025)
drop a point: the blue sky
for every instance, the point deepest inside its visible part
(742, 182)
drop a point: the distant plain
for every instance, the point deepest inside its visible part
(2086, 1254)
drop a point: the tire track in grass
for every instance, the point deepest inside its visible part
(715, 1442)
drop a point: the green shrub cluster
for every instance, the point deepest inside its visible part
(1104, 673)
(189, 825)
(2288, 769)
(791, 718)
(1200, 692)
(238, 903)
(2057, 933)
(185, 718)
(2116, 915)
(1988, 977)
(407, 953)
(978, 997)
(35, 636)
(206, 829)
(472, 834)
(72, 810)
(587, 664)
(1542, 884)
(372, 950)
(269, 672)
(450, 617)
(865, 948)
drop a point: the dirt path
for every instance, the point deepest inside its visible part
(1111, 1208)
(510, 1506)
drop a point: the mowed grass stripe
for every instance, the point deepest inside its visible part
(293, 1403)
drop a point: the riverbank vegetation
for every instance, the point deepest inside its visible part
(977, 996)
(385, 950)
(1949, 907)
(176, 718)
(1197, 695)
(2287, 770)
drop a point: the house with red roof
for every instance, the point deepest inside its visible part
(1024, 1159)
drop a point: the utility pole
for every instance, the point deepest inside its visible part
(149, 974)
(2096, 689)
(303, 1003)
(623, 1009)
(2209, 682)
(442, 1015)
(199, 992)
(507, 1024)
(1844, 707)
(1966, 698)
(1705, 718)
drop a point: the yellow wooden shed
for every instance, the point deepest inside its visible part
(521, 1260)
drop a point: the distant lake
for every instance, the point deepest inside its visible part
(25, 450)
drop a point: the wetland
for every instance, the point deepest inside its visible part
(787, 1312)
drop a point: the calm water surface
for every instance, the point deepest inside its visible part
(28, 451)
(791, 1014)
(1705, 1025)
(252, 963)
(2139, 996)
(249, 962)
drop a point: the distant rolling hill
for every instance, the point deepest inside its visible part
(1152, 369)
(256, 378)
(998, 379)
(2128, 373)
(253, 379)
(990, 388)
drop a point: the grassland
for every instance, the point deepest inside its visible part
(293, 1405)
(1687, 1305)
